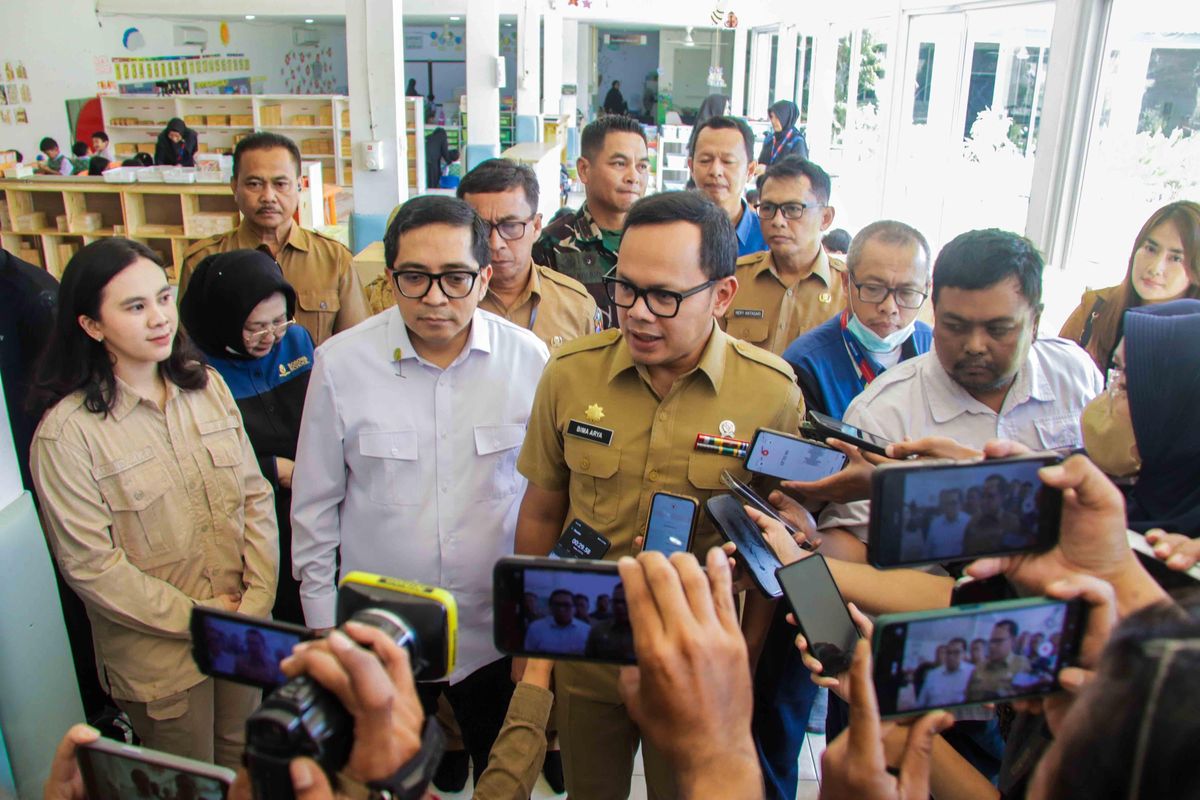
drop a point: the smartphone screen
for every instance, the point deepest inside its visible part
(580, 540)
(672, 519)
(561, 609)
(116, 771)
(973, 654)
(791, 458)
(956, 512)
(821, 612)
(753, 552)
(837, 429)
(241, 648)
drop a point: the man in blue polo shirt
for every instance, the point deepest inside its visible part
(722, 161)
(887, 281)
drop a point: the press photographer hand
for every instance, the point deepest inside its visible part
(374, 682)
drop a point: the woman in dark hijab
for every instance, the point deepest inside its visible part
(787, 139)
(176, 145)
(238, 309)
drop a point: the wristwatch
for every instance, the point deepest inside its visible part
(411, 780)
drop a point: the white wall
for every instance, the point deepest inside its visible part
(61, 65)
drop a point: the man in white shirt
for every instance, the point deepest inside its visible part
(945, 536)
(407, 455)
(947, 685)
(560, 632)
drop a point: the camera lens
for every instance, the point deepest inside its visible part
(391, 624)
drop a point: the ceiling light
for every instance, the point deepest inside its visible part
(455, 19)
(308, 22)
(249, 16)
(508, 24)
(688, 41)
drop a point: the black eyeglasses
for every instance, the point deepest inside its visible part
(792, 211)
(877, 293)
(509, 229)
(661, 302)
(415, 284)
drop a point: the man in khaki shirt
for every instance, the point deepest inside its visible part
(793, 286)
(266, 173)
(556, 307)
(616, 418)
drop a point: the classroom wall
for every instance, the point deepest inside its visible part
(447, 43)
(628, 63)
(68, 64)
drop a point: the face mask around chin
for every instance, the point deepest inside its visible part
(1108, 436)
(873, 342)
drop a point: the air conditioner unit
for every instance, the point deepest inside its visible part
(190, 35)
(306, 37)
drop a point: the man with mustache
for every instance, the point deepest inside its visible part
(266, 186)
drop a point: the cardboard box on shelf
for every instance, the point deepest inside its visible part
(325, 115)
(216, 119)
(192, 120)
(245, 120)
(124, 148)
(146, 148)
(270, 115)
(212, 223)
(30, 222)
(91, 221)
(345, 118)
(302, 120)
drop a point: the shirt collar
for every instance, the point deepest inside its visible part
(128, 398)
(711, 364)
(948, 400)
(247, 239)
(748, 218)
(399, 344)
(586, 227)
(820, 268)
(533, 288)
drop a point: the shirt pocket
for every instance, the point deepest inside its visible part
(499, 445)
(1059, 431)
(583, 266)
(594, 481)
(395, 481)
(750, 330)
(704, 471)
(321, 305)
(223, 469)
(134, 487)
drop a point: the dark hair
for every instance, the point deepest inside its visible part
(591, 141)
(724, 123)
(958, 639)
(888, 231)
(499, 175)
(100, 135)
(983, 258)
(718, 241)
(838, 241)
(752, 197)
(797, 167)
(264, 140)
(97, 165)
(1008, 623)
(79, 149)
(432, 209)
(74, 361)
(1135, 724)
(584, 596)
(47, 144)
(567, 592)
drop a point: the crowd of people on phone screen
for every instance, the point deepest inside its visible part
(170, 476)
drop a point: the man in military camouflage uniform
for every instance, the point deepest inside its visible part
(614, 167)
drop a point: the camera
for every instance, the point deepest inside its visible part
(302, 718)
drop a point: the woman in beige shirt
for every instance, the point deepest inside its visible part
(152, 497)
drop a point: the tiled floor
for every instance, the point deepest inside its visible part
(810, 774)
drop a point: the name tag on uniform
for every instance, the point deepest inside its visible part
(747, 313)
(593, 433)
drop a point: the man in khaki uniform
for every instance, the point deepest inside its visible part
(556, 307)
(794, 285)
(266, 172)
(993, 678)
(616, 418)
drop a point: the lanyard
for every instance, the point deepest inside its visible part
(782, 144)
(860, 360)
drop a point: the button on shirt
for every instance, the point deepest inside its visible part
(150, 512)
(411, 469)
(918, 398)
(770, 313)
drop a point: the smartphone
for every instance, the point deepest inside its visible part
(753, 552)
(117, 771)
(671, 524)
(821, 612)
(790, 458)
(561, 609)
(830, 428)
(928, 513)
(580, 540)
(241, 648)
(751, 498)
(968, 655)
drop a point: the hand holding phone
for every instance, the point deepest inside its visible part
(671, 523)
(791, 458)
(580, 540)
(832, 428)
(753, 552)
(116, 771)
(820, 613)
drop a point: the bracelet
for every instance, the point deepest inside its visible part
(411, 780)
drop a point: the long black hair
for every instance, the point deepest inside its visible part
(74, 361)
